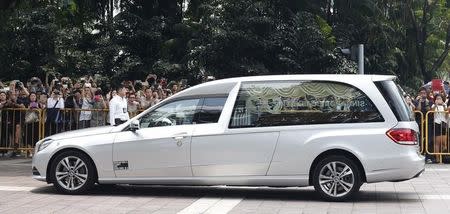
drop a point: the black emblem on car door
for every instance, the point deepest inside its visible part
(120, 165)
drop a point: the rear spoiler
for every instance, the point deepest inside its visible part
(379, 78)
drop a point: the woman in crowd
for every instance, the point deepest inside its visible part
(43, 100)
(147, 98)
(87, 104)
(155, 99)
(98, 116)
(32, 117)
(440, 124)
(133, 104)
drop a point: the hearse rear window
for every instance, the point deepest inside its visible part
(262, 104)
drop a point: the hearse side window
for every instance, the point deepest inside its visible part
(262, 104)
(211, 110)
(179, 112)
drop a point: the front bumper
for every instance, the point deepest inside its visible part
(39, 165)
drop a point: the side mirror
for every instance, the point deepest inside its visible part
(134, 125)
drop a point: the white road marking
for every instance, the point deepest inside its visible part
(438, 169)
(200, 206)
(434, 197)
(16, 188)
(223, 206)
(211, 205)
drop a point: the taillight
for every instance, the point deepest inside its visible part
(403, 136)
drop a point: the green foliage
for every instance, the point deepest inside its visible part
(192, 39)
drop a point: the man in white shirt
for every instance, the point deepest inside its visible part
(118, 109)
(54, 114)
(55, 101)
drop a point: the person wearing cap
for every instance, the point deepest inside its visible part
(118, 109)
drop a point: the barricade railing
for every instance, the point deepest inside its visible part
(61, 120)
(420, 122)
(19, 129)
(437, 134)
(73, 119)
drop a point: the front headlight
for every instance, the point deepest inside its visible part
(44, 144)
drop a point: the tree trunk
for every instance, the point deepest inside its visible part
(444, 53)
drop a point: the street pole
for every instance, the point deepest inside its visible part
(361, 59)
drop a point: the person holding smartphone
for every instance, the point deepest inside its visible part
(55, 107)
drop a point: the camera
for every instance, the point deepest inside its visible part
(163, 82)
(58, 85)
(19, 85)
(138, 85)
(151, 79)
(35, 81)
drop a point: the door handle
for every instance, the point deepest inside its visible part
(181, 133)
(179, 137)
(179, 140)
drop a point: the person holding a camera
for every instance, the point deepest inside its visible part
(55, 105)
(87, 104)
(35, 85)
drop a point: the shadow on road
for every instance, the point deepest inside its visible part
(250, 193)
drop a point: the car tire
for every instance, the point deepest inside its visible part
(73, 172)
(337, 178)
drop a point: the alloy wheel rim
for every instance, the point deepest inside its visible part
(71, 173)
(336, 179)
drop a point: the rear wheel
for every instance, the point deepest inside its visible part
(72, 172)
(337, 178)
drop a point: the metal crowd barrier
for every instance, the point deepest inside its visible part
(437, 140)
(420, 122)
(72, 119)
(20, 129)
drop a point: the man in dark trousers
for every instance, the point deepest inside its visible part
(423, 104)
(118, 109)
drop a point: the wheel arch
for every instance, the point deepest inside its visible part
(342, 152)
(49, 164)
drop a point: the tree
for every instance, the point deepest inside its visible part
(262, 37)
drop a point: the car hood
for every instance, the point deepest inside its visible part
(82, 132)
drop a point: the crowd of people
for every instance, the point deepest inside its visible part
(70, 104)
(435, 110)
(84, 93)
(80, 103)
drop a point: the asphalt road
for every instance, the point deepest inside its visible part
(429, 193)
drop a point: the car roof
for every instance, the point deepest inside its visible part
(309, 77)
(224, 86)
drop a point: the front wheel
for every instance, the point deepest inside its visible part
(337, 178)
(72, 172)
